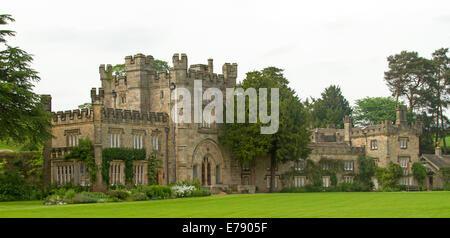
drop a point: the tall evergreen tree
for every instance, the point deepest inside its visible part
(330, 108)
(406, 76)
(22, 115)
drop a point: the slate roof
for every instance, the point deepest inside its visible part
(441, 161)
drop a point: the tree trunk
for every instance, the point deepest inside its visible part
(273, 164)
(411, 101)
(437, 126)
(443, 134)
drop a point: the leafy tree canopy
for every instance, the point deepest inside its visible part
(288, 143)
(374, 110)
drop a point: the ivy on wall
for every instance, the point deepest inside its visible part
(331, 167)
(128, 155)
(419, 172)
(153, 164)
(84, 152)
(315, 171)
(388, 177)
(366, 171)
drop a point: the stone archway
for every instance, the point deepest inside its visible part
(207, 162)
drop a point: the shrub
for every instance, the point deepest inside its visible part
(53, 200)
(157, 191)
(421, 187)
(120, 194)
(358, 186)
(201, 193)
(138, 196)
(311, 188)
(446, 187)
(293, 190)
(345, 187)
(13, 187)
(92, 197)
(85, 197)
(400, 187)
(69, 194)
(419, 172)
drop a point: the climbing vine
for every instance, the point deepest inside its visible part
(128, 155)
(84, 152)
(388, 177)
(153, 163)
(315, 171)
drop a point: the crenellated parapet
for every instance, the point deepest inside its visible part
(229, 70)
(335, 149)
(72, 116)
(131, 116)
(204, 72)
(139, 62)
(105, 71)
(162, 78)
(97, 97)
(386, 128)
(180, 63)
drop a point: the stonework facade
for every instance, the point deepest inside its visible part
(132, 111)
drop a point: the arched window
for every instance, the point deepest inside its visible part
(217, 174)
(194, 171)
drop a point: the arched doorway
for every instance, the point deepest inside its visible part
(207, 157)
(206, 171)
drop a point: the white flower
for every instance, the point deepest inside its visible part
(183, 191)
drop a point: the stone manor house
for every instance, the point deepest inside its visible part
(133, 111)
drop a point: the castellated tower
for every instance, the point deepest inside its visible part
(191, 145)
(130, 91)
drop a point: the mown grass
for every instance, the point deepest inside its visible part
(8, 146)
(371, 204)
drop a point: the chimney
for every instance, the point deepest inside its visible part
(347, 128)
(210, 66)
(438, 149)
(401, 115)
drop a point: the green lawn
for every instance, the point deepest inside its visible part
(8, 146)
(375, 204)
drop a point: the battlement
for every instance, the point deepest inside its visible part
(162, 75)
(139, 62)
(136, 117)
(120, 80)
(229, 70)
(385, 128)
(180, 63)
(72, 116)
(199, 67)
(97, 98)
(335, 149)
(104, 71)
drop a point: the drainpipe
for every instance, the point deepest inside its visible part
(167, 155)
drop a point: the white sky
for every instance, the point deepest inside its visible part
(317, 43)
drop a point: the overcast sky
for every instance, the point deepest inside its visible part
(317, 43)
